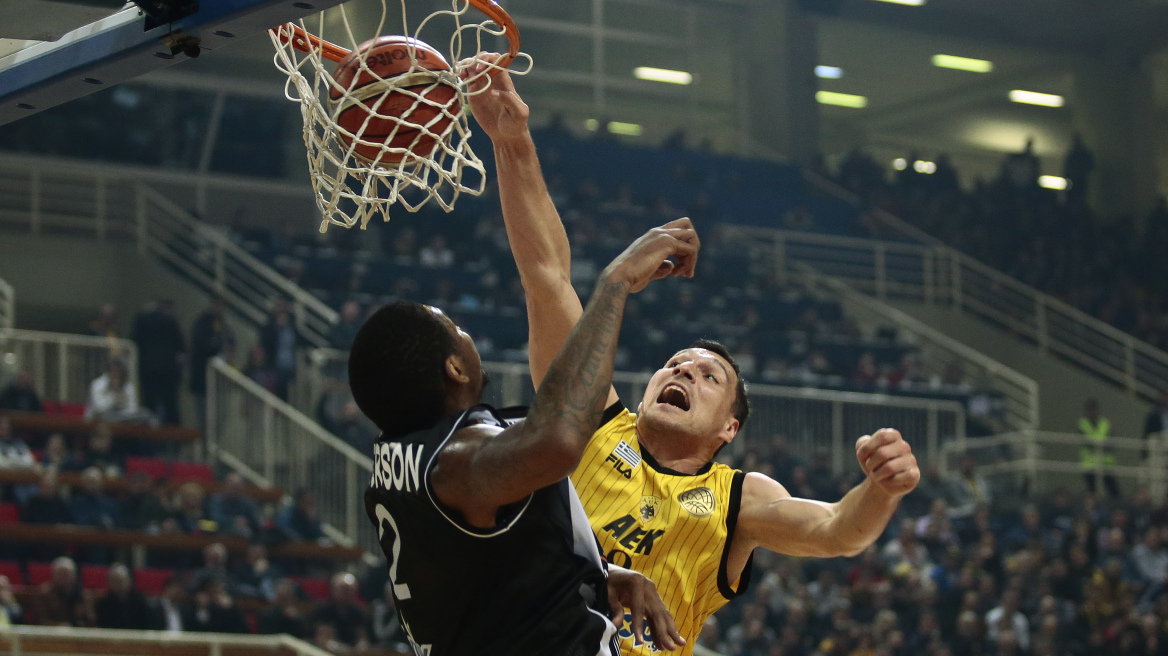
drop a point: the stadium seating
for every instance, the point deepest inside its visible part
(39, 573)
(11, 569)
(192, 471)
(316, 588)
(155, 468)
(93, 577)
(151, 581)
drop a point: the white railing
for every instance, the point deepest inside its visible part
(935, 274)
(939, 351)
(63, 365)
(810, 419)
(107, 203)
(20, 640)
(1042, 461)
(275, 445)
(7, 306)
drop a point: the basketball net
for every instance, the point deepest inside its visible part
(352, 189)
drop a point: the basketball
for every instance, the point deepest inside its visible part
(389, 59)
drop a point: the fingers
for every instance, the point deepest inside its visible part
(683, 230)
(906, 480)
(683, 222)
(475, 71)
(664, 270)
(617, 611)
(664, 631)
(884, 455)
(868, 444)
(637, 608)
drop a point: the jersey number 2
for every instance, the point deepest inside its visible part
(400, 590)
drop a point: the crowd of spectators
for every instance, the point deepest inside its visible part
(214, 598)
(94, 481)
(140, 501)
(164, 356)
(779, 331)
(1111, 268)
(963, 570)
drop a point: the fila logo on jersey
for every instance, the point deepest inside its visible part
(397, 467)
(639, 540)
(624, 453)
(698, 502)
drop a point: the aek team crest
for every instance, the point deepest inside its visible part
(650, 509)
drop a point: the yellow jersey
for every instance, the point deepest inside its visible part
(672, 527)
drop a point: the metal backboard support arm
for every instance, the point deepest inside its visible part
(119, 48)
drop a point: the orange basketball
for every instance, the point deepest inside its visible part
(390, 57)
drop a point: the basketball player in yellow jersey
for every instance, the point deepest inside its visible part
(655, 498)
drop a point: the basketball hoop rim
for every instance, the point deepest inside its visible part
(303, 40)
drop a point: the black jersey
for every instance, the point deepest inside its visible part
(532, 584)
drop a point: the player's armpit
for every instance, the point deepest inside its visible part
(484, 467)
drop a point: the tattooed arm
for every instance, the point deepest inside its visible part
(483, 467)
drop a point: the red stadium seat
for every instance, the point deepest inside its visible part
(50, 407)
(192, 471)
(72, 409)
(93, 577)
(150, 581)
(39, 573)
(9, 513)
(253, 623)
(316, 588)
(155, 468)
(11, 569)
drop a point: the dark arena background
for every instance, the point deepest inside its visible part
(942, 216)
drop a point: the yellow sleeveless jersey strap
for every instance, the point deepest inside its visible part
(724, 583)
(611, 412)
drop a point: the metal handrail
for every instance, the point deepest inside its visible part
(936, 421)
(16, 635)
(313, 316)
(110, 200)
(1029, 399)
(1022, 453)
(355, 462)
(42, 342)
(289, 412)
(938, 274)
(7, 305)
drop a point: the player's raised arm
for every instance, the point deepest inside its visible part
(534, 230)
(480, 470)
(536, 234)
(772, 518)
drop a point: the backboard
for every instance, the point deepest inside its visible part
(100, 43)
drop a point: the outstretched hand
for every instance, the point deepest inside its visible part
(888, 461)
(630, 590)
(499, 110)
(647, 259)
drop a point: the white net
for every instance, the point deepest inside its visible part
(388, 124)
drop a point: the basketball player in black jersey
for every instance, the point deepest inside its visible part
(489, 549)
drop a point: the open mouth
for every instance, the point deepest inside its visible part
(674, 395)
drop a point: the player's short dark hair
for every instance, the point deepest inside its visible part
(397, 368)
(741, 400)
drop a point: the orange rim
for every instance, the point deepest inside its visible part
(307, 42)
(503, 20)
